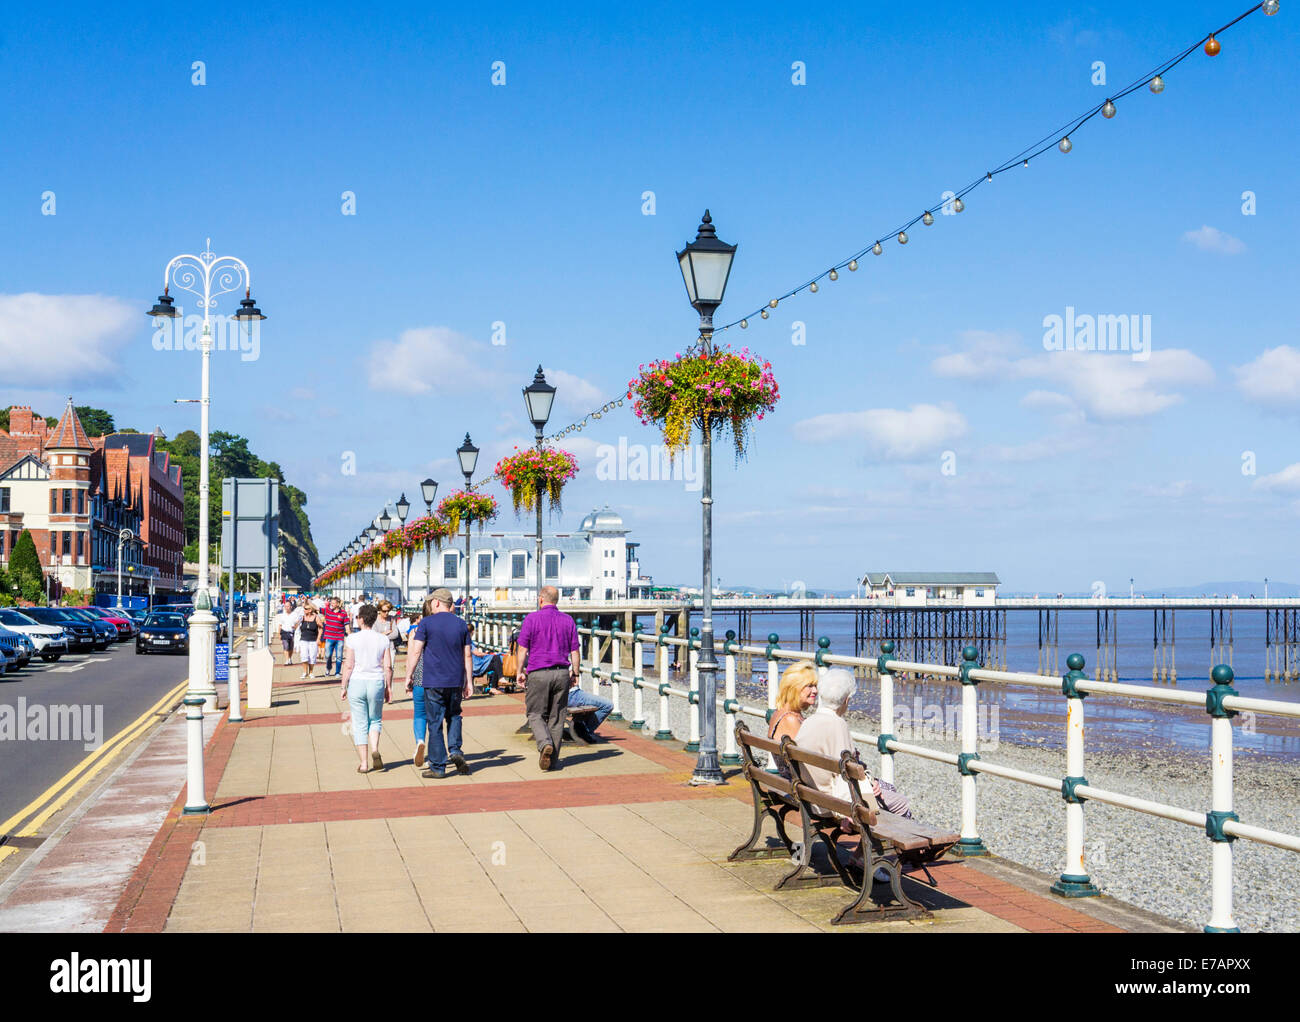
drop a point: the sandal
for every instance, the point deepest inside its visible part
(360, 771)
(376, 761)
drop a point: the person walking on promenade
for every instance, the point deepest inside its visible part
(287, 622)
(415, 685)
(308, 636)
(335, 622)
(441, 643)
(367, 685)
(548, 665)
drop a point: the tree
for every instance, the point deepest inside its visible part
(25, 559)
(95, 421)
(51, 421)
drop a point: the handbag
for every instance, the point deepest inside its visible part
(510, 665)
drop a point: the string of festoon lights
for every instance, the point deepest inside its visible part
(1061, 140)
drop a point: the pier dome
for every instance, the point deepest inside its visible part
(606, 520)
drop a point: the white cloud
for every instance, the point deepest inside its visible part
(64, 339)
(1107, 385)
(1211, 239)
(575, 393)
(1286, 481)
(1273, 378)
(425, 360)
(890, 433)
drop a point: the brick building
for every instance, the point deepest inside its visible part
(75, 494)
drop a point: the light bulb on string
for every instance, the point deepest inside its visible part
(813, 287)
(1212, 47)
(1065, 145)
(1026, 164)
(834, 275)
(763, 314)
(902, 237)
(928, 219)
(772, 304)
(1157, 85)
(876, 249)
(1270, 7)
(853, 265)
(1108, 111)
(988, 176)
(958, 205)
(744, 324)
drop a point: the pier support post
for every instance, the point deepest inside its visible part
(1075, 883)
(1221, 920)
(970, 843)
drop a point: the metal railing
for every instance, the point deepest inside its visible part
(602, 662)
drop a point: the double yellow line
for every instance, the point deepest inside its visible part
(77, 778)
(83, 772)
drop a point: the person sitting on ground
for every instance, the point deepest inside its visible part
(487, 665)
(796, 697)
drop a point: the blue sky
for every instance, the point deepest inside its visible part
(922, 423)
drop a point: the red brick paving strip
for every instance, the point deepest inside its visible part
(298, 719)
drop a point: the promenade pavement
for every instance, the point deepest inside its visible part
(614, 840)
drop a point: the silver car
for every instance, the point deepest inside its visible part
(48, 641)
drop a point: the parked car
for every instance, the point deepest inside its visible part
(79, 632)
(105, 634)
(7, 660)
(163, 632)
(138, 615)
(49, 640)
(17, 645)
(116, 617)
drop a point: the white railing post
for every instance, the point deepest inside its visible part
(730, 757)
(773, 687)
(1221, 800)
(638, 682)
(970, 843)
(886, 711)
(693, 699)
(1074, 882)
(665, 731)
(615, 662)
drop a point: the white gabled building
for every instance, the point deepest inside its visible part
(597, 562)
(918, 588)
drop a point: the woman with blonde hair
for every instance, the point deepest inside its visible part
(796, 696)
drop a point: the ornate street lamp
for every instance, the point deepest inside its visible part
(538, 397)
(468, 455)
(207, 276)
(706, 267)
(403, 509)
(428, 490)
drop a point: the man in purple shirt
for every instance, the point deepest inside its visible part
(548, 664)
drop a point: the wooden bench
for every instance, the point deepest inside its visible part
(569, 714)
(880, 833)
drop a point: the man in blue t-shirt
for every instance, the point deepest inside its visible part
(441, 639)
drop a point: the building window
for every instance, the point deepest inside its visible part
(911, 590)
(485, 566)
(67, 502)
(4, 498)
(81, 502)
(54, 502)
(81, 546)
(449, 565)
(552, 565)
(518, 562)
(67, 544)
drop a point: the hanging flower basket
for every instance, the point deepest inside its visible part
(532, 474)
(478, 507)
(723, 391)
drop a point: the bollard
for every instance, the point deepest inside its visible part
(195, 799)
(1076, 884)
(232, 690)
(638, 682)
(970, 843)
(1221, 800)
(886, 711)
(665, 732)
(615, 662)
